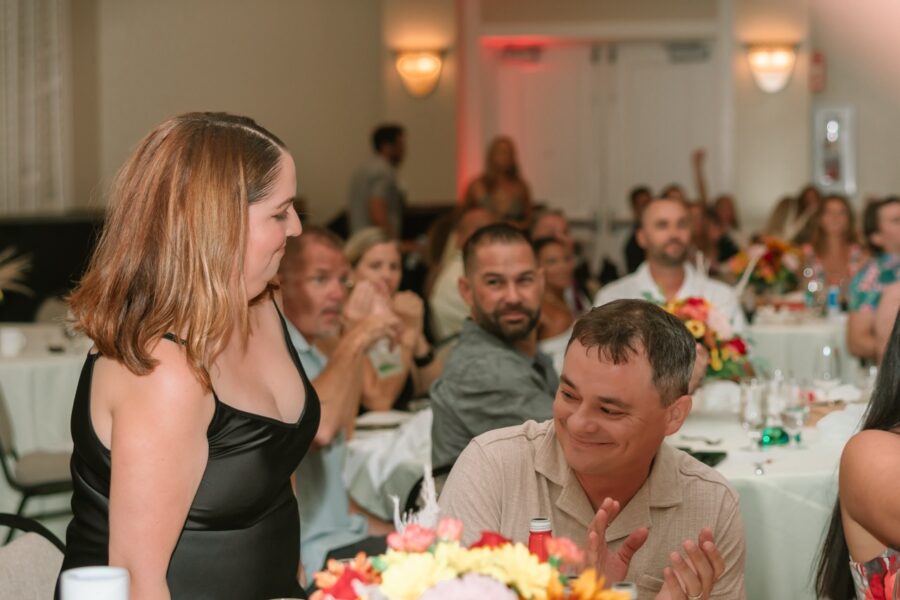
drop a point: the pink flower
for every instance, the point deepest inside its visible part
(414, 538)
(720, 324)
(566, 550)
(449, 529)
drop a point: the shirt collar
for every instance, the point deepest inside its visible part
(662, 489)
(648, 284)
(473, 332)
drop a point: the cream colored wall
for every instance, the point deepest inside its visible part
(862, 53)
(309, 70)
(772, 131)
(85, 85)
(429, 172)
(524, 11)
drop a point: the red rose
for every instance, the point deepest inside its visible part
(343, 587)
(490, 539)
(738, 344)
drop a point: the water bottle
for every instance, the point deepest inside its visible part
(833, 302)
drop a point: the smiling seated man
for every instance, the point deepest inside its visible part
(601, 471)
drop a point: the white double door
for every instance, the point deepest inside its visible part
(591, 121)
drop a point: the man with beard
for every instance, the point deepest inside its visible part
(664, 232)
(494, 377)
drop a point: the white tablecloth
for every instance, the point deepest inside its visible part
(796, 348)
(785, 510)
(39, 386)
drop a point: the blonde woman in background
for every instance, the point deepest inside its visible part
(376, 272)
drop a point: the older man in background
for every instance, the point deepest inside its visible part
(314, 275)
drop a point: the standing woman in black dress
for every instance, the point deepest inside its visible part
(192, 410)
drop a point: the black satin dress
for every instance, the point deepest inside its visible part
(241, 539)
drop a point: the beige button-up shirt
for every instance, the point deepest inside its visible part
(506, 477)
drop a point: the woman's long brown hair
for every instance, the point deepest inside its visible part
(171, 253)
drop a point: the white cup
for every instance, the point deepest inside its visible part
(12, 341)
(94, 583)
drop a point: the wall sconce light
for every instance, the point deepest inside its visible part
(771, 65)
(420, 70)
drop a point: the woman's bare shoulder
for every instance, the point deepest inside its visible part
(171, 386)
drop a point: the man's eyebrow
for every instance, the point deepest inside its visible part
(603, 399)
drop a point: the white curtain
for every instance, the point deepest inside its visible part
(34, 157)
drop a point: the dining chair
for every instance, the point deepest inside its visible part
(29, 565)
(439, 474)
(32, 474)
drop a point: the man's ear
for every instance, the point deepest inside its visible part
(465, 290)
(877, 239)
(641, 237)
(677, 412)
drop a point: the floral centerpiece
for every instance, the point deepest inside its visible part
(772, 265)
(427, 564)
(711, 328)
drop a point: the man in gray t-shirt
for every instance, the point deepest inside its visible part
(376, 198)
(495, 376)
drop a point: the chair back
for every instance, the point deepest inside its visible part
(29, 566)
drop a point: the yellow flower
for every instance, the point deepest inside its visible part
(697, 328)
(518, 568)
(590, 587)
(715, 360)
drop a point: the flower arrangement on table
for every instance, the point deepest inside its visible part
(710, 327)
(772, 265)
(428, 564)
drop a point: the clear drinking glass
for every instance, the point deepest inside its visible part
(752, 410)
(828, 369)
(794, 413)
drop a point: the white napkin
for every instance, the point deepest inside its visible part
(840, 425)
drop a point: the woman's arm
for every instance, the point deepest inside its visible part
(885, 315)
(868, 487)
(159, 452)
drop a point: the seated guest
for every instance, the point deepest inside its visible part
(314, 277)
(665, 234)
(494, 376)
(861, 555)
(887, 312)
(634, 254)
(728, 217)
(375, 258)
(833, 254)
(448, 310)
(881, 225)
(719, 245)
(555, 260)
(600, 470)
(553, 224)
(501, 188)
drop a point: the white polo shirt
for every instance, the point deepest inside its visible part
(640, 285)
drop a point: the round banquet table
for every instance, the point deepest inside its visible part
(38, 386)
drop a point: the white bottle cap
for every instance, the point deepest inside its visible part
(539, 525)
